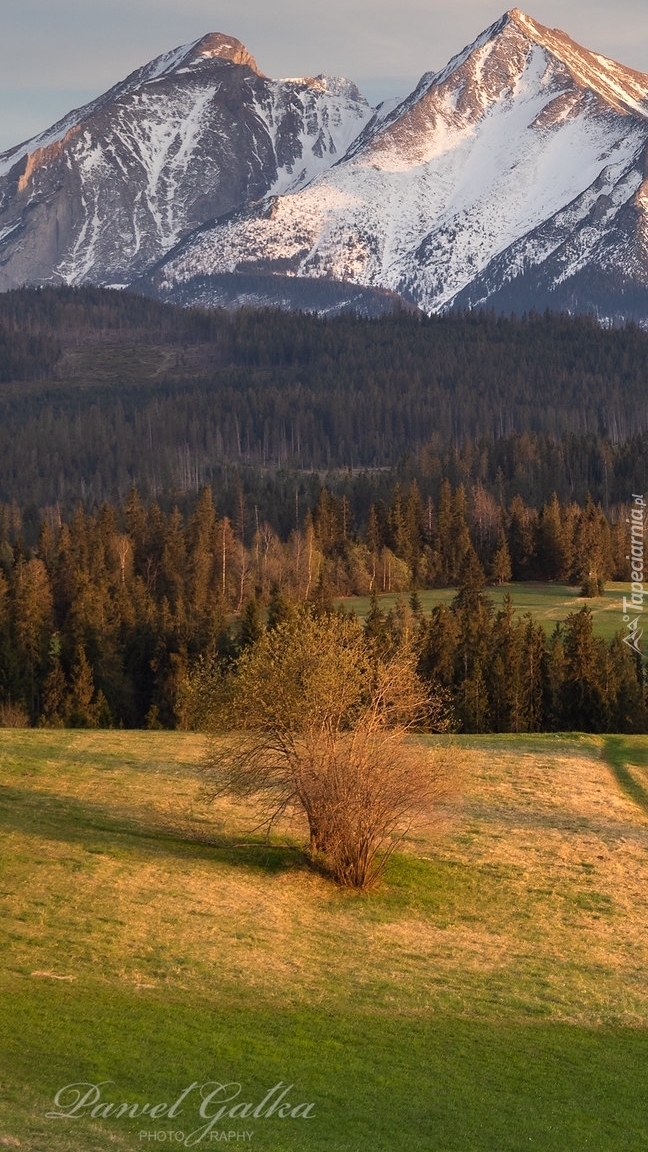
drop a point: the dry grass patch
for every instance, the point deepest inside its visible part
(527, 899)
(570, 847)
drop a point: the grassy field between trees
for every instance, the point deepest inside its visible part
(548, 603)
(490, 996)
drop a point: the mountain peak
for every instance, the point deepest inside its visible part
(624, 88)
(218, 46)
(515, 35)
(516, 16)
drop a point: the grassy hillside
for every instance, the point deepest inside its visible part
(492, 995)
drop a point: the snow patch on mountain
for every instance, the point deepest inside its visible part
(328, 113)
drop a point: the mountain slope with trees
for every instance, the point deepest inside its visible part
(101, 391)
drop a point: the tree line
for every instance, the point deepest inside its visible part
(104, 620)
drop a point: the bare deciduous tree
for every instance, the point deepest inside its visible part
(325, 730)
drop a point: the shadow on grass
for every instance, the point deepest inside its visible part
(30, 751)
(98, 832)
(544, 744)
(617, 753)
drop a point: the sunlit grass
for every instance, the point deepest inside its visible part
(491, 994)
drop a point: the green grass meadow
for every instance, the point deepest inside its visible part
(548, 603)
(490, 996)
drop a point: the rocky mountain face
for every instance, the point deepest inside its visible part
(517, 174)
(516, 177)
(197, 132)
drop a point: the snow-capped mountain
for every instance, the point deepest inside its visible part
(197, 132)
(516, 175)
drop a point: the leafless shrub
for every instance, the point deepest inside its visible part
(13, 716)
(325, 729)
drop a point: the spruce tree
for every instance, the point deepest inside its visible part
(586, 706)
(279, 607)
(251, 625)
(500, 567)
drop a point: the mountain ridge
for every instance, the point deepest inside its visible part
(524, 160)
(197, 131)
(506, 151)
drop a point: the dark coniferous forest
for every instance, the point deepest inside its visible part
(101, 391)
(170, 479)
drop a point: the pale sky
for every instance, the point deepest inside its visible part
(57, 54)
